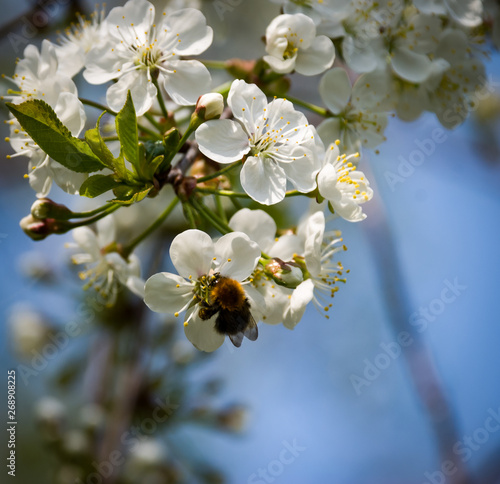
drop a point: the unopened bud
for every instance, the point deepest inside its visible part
(171, 139)
(288, 274)
(210, 106)
(46, 208)
(39, 229)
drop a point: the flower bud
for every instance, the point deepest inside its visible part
(210, 106)
(34, 228)
(287, 274)
(46, 208)
(39, 229)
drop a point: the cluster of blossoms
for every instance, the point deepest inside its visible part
(396, 56)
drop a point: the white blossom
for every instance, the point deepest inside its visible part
(106, 269)
(292, 44)
(196, 258)
(324, 272)
(343, 185)
(276, 142)
(37, 76)
(139, 48)
(78, 40)
(357, 119)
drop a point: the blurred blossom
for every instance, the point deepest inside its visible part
(28, 330)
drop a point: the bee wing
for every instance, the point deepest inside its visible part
(251, 332)
(236, 339)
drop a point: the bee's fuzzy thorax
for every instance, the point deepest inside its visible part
(229, 294)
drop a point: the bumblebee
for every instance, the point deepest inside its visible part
(228, 300)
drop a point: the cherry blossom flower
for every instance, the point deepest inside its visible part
(106, 270)
(37, 76)
(358, 120)
(343, 185)
(276, 142)
(140, 49)
(292, 44)
(78, 40)
(198, 260)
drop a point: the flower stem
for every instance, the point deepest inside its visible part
(223, 193)
(293, 193)
(220, 208)
(223, 88)
(218, 173)
(153, 121)
(311, 107)
(210, 216)
(188, 213)
(97, 105)
(109, 209)
(159, 95)
(214, 64)
(91, 213)
(127, 250)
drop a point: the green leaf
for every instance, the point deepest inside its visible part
(98, 146)
(126, 128)
(40, 121)
(97, 185)
(132, 195)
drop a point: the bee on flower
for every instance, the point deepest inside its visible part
(212, 288)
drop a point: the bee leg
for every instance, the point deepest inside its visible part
(251, 332)
(236, 339)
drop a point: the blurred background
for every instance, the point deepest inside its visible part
(400, 385)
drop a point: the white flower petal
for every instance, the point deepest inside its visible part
(258, 304)
(190, 26)
(222, 140)
(301, 297)
(70, 181)
(257, 224)
(247, 102)
(286, 246)
(335, 89)
(136, 285)
(192, 253)
(466, 12)
(236, 255)
(106, 231)
(317, 58)
(281, 66)
(327, 183)
(358, 55)
(142, 90)
(330, 130)
(315, 229)
(187, 81)
(410, 65)
(87, 241)
(263, 179)
(167, 293)
(203, 335)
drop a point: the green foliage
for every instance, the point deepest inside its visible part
(40, 121)
(134, 168)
